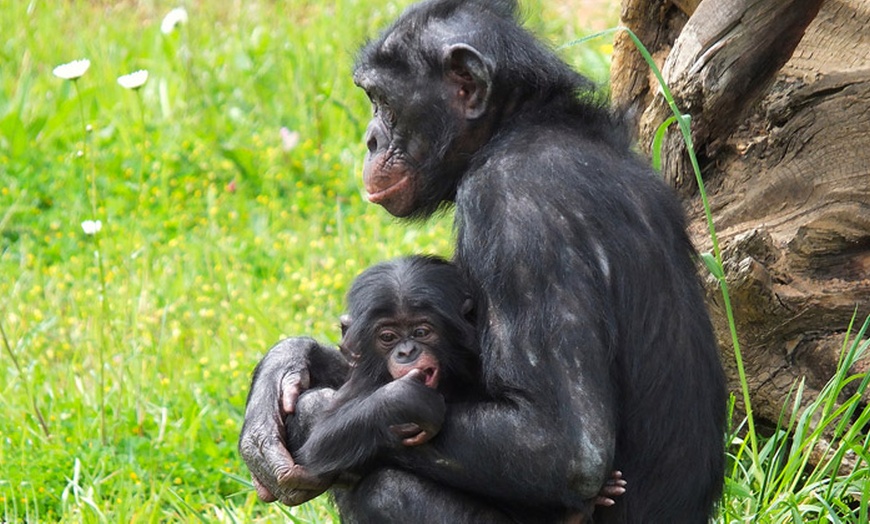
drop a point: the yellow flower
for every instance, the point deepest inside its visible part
(72, 70)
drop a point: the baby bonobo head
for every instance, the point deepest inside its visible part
(412, 316)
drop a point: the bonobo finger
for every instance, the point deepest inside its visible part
(272, 467)
(298, 478)
(293, 385)
(255, 447)
(604, 501)
(412, 434)
(287, 482)
(299, 496)
(615, 482)
(415, 374)
(420, 438)
(262, 492)
(404, 431)
(612, 488)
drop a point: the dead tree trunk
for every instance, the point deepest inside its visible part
(779, 95)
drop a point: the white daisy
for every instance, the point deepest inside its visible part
(289, 139)
(134, 80)
(177, 16)
(92, 227)
(72, 70)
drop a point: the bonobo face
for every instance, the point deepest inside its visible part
(410, 345)
(429, 92)
(412, 315)
(391, 173)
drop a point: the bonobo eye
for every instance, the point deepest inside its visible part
(386, 114)
(422, 332)
(380, 108)
(387, 337)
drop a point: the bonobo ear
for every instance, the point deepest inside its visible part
(471, 74)
(468, 309)
(345, 324)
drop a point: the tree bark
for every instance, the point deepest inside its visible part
(779, 97)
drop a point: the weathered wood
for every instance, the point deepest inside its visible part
(722, 62)
(657, 23)
(784, 145)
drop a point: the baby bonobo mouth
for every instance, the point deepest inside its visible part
(428, 374)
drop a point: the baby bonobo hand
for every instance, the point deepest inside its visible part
(414, 433)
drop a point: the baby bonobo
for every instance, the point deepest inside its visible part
(411, 339)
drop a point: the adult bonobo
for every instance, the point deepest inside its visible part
(596, 351)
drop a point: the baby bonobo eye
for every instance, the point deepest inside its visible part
(387, 337)
(421, 332)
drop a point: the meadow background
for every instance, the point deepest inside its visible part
(228, 189)
(221, 233)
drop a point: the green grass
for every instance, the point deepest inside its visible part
(229, 242)
(217, 240)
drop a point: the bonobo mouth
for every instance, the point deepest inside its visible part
(376, 195)
(430, 377)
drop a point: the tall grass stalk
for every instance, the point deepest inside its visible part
(90, 158)
(798, 473)
(814, 466)
(143, 146)
(24, 380)
(103, 323)
(714, 263)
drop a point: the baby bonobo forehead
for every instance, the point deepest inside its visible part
(404, 318)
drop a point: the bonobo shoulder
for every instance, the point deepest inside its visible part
(537, 152)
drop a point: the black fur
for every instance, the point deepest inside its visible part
(595, 339)
(596, 352)
(355, 422)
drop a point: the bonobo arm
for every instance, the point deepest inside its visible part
(348, 437)
(547, 434)
(289, 368)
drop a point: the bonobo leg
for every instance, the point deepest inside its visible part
(392, 495)
(309, 409)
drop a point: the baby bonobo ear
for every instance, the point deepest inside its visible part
(468, 309)
(351, 355)
(345, 324)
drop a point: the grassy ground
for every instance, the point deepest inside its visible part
(126, 354)
(219, 235)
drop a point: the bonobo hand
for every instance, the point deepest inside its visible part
(283, 374)
(612, 488)
(418, 410)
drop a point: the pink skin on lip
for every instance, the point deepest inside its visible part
(377, 195)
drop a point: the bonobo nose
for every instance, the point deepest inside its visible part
(407, 352)
(372, 142)
(376, 137)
